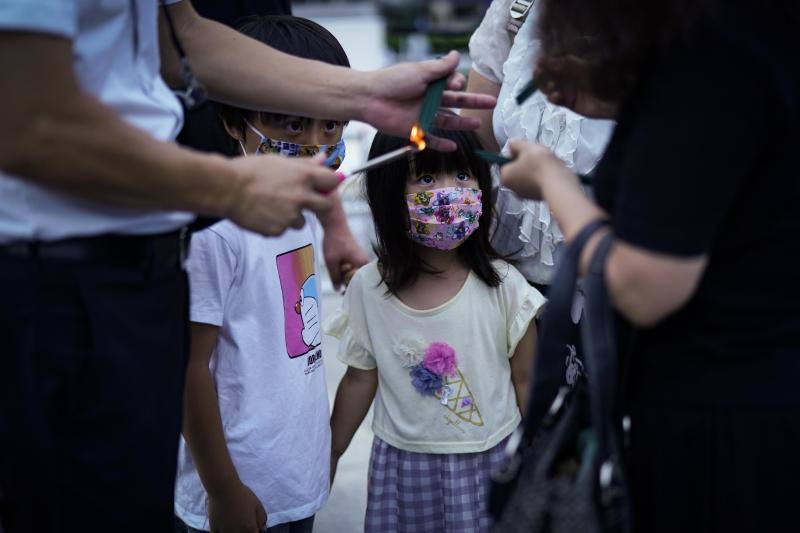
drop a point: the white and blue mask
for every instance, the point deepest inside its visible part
(335, 152)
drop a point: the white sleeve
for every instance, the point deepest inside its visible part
(490, 44)
(348, 324)
(212, 267)
(59, 17)
(523, 304)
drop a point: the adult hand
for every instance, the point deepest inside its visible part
(574, 97)
(395, 94)
(271, 192)
(532, 165)
(237, 511)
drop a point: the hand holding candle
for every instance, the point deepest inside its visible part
(533, 168)
(430, 106)
(396, 98)
(500, 160)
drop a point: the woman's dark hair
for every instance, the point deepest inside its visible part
(602, 46)
(398, 255)
(294, 36)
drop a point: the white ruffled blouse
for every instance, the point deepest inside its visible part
(525, 230)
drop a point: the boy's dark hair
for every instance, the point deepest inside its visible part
(292, 35)
(398, 256)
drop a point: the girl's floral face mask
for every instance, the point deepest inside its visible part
(444, 218)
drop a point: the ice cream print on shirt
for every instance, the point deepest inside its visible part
(434, 372)
(301, 305)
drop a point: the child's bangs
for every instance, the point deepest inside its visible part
(434, 162)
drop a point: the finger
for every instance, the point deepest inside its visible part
(324, 179)
(456, 81)
(450, 121)
(508, 174)
(439, 144)
(319, 159)
(441, 67)
(464, 100)
(516, 146)
(317, 202)
(298, 222)
(349, 275)
(335, 273)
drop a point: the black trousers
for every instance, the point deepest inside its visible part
(92, 363)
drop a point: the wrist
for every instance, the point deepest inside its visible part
(218, 184)
(360, 100)
(223, 485)
(335, 217)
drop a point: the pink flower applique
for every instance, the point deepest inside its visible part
(440, 358)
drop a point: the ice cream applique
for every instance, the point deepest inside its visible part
(434, 372)
(308, 309)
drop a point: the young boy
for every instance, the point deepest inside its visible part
(257, 440)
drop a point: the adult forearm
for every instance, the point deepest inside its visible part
(476, 83)
(644, 286)
(568, 203)
(202, 429)
(242, 71)
(81, 146)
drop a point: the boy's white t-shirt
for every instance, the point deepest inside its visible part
(482, 324)
(264, 294)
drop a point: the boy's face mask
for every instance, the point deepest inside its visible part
(444, 218)
(335, 152)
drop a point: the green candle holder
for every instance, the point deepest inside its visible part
(431, 103)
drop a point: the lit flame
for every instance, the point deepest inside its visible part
(418, 137)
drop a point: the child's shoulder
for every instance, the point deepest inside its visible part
(367, 277)
(224, 231)
(508, 273)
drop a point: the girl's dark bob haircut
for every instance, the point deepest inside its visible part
(398, 256)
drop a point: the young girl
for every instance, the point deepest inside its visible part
(444, 330)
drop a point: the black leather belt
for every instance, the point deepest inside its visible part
(167, 249)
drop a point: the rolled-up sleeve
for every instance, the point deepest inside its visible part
(56, 17)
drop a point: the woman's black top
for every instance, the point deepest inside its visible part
(706, 161)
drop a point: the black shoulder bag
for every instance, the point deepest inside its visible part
(565, 471)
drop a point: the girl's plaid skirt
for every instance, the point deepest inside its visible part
(412, 492)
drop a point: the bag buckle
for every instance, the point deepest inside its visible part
(517, 13)
(519, 9)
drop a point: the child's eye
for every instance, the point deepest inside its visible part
(462, 176)
(331, 126)
(294, 126)
(426, 179)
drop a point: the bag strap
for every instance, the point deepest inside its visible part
(555, 331)
(600, 349)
